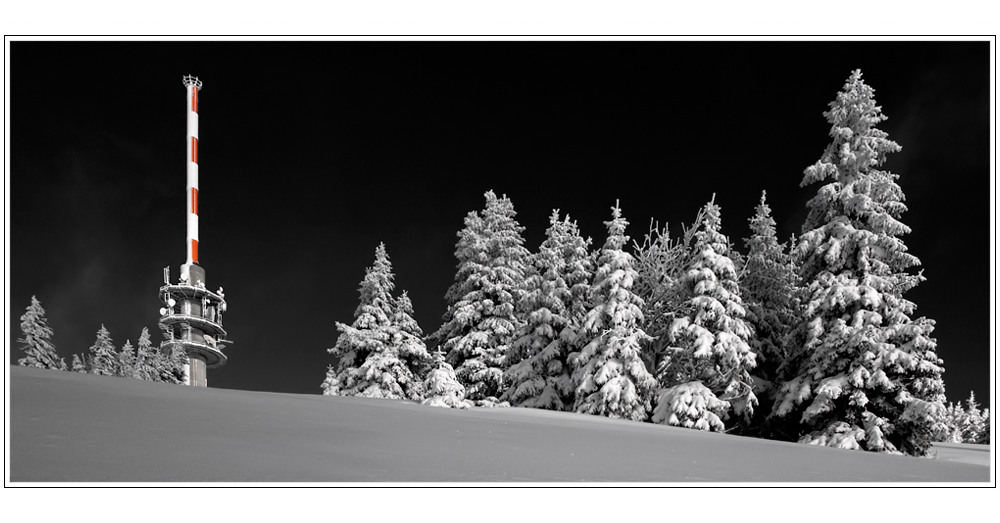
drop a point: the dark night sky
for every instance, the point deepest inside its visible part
(311, 153)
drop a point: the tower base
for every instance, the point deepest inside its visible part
(197, 373)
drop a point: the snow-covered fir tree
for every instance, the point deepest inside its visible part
(552, 310)
(145, 356)
(768, 285)
(661, 262)
(709, 365)
(174, 365)
(36, 343)
(375, 357)
(369, 332)
(408, 337)
(78, 364)
(103, 357)
(610, 377)
(126, 361)
(976, 423)
(863, 374)
(442, 388)
(966, 424)
(170, 363)
(691, 405)
(480, 321)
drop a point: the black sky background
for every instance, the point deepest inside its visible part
(311, 153)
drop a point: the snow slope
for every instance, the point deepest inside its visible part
(80, 428)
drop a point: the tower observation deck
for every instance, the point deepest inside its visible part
(191, 317)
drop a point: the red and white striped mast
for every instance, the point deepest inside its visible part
(193, 85)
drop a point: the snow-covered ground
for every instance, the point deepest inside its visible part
(81, 428)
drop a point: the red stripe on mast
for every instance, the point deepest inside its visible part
(194, 149)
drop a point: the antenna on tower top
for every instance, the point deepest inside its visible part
(190, 80)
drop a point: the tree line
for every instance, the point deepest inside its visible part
(143, 361)
(809, 340)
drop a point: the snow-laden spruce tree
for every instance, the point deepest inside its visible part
(552, 310)
(480, 321)
(442, 388)
(661, 262)
(408, 337)
(967, 424)
(169, 363)
(368, 334)
(145, 355)
(126, 361)
(78, 364)
(103, 357)
(36, 343)
(971, 424)
(706, 377)
(610, 377)
(172, 365)
(375, 358)
(768, 284)
(863, 374)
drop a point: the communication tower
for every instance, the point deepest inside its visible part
(191, 317)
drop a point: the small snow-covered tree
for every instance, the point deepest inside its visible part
(862, 373)
(442, 388)
(126, 361)
(611, 378)
(78, 364)
(691, 405)
(552, 311)
(973, 424)
(170, 361)
(958, 424)
(176, 363)
(376, 358)
(709, 338)
(103, 357)
(968, 424)
(480, 321)
(36, 343)
(144, 357)
(768, 285)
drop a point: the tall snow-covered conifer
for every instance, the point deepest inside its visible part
(661, 263)
(611, 378)
(103, 357)
(552, 309)
(39, 351)
(864, 375)
(480, 321)
(376, 358)
(707, 374)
